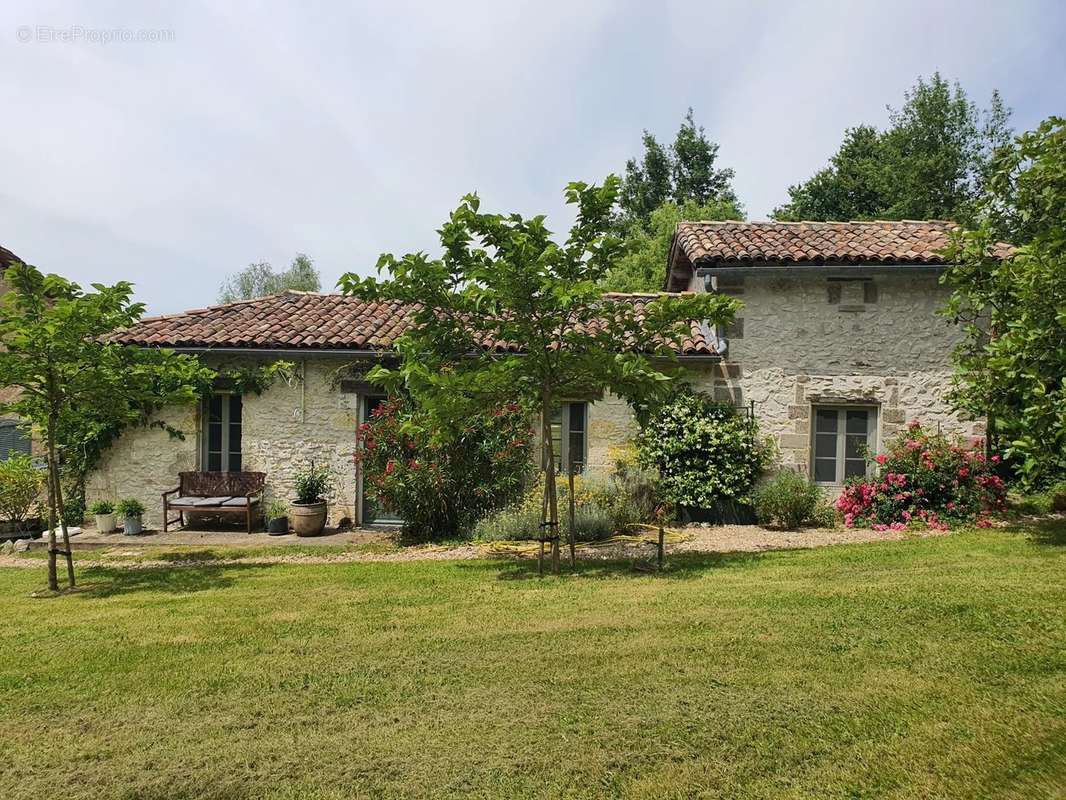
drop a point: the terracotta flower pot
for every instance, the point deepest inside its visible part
(308, 519)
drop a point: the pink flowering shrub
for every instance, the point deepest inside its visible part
(925, 480)
(437, 486)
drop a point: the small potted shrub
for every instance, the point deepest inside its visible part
(309, 511)
(131, 512)
(20, 488)
(104, 511)
(277, 517)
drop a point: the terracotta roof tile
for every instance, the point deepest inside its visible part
(299, 320)
(7, 258)
(879, 242)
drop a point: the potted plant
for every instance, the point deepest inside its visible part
(131, 512)
(309, 511)
(277, 517)
(104, 511)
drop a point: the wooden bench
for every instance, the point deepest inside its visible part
(216, 493)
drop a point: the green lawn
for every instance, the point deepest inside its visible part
(926, 668)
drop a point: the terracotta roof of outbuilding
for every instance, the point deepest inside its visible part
(7, 258)
(878, 242)
(307, 321)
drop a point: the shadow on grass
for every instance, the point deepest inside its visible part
(1049, 530)
(113, 581)
(682, 566)
(197, 556)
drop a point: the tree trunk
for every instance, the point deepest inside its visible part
(53, 469)
(549, 483)
(53, 578)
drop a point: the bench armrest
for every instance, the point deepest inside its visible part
(171, 491)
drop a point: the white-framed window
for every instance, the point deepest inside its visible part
(569, 426)
(222, 433)
(842, 436)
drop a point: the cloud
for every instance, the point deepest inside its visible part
(343, 131)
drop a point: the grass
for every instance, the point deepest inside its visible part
(134, 553)
(930, 668)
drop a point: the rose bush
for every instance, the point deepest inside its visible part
(440, 486)
(925, 479)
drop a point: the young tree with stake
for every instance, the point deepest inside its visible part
(507, 313)
(74, 384)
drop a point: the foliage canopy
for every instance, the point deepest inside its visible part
(1011, 367)
(932, 162)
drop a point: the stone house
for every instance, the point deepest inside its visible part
(839, 343)
(15, 435)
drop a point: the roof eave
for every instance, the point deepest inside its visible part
(804, 267)
(336, 352)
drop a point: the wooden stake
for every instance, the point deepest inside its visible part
(573, 533)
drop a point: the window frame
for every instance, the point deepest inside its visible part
(226, 452)
(839, 456)
(566, 432)
(18, 430)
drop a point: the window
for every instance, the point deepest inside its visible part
(570, 419)
(13, 437)
(842, 437)
(222, 433)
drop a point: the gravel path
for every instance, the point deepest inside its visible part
(717, 539)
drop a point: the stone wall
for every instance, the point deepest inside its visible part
(282, 430)
(807, 340)
(145, 462)
(291, 424)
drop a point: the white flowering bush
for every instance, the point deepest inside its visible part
(705, 452)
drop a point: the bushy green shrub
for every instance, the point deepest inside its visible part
(73, 509)
(101, 507)
(514, 523)
(1049, 501)
(825, 514)
(130, 507)
(640, 494)
(704, 452)
(600, 510)
(440, 486)
(20, 486)
(787, 499)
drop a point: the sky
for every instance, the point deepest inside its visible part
(171, 144)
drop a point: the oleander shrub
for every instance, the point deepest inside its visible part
(925, 479)
(788, 500)
(704, 452)
(441, 486)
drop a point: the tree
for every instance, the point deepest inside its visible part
(77, 389)
(1011, 367)
(507, 314)
(647, 247)
(259, 279)
(855, 185)
(932, 161)
(686, 172)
